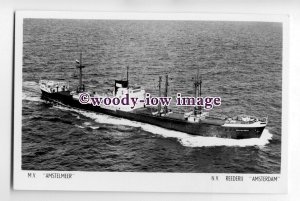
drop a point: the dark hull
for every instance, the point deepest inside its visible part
(201, 129)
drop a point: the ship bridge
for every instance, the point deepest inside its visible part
(122, 89)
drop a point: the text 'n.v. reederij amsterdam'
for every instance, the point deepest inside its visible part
(207, 102)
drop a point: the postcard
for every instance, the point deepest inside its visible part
(151, 102)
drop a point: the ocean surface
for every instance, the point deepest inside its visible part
(239, 61)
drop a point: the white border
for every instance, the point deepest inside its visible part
(144, 182)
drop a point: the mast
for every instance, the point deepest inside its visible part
(80, 66)
(200, 87)
(127, 73)
(159, 95)
(195, 94)
(127, 77)
(166, 93)
(197, 91)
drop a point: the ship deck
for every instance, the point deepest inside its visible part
(150, 111)
(179, 116)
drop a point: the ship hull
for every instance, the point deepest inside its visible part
(199, 128)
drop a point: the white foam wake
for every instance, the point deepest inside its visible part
(28, 97)
(31, 92)
(199, 141)
(31, 85)
(184, 138)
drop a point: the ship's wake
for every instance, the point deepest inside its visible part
(199, 141)
(30, 92)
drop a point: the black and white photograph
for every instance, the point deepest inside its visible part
(151, 96)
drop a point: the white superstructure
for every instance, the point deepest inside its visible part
(136, 93)
(52, 86)
(245, 121)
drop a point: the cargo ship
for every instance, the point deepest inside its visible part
(196, 122)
